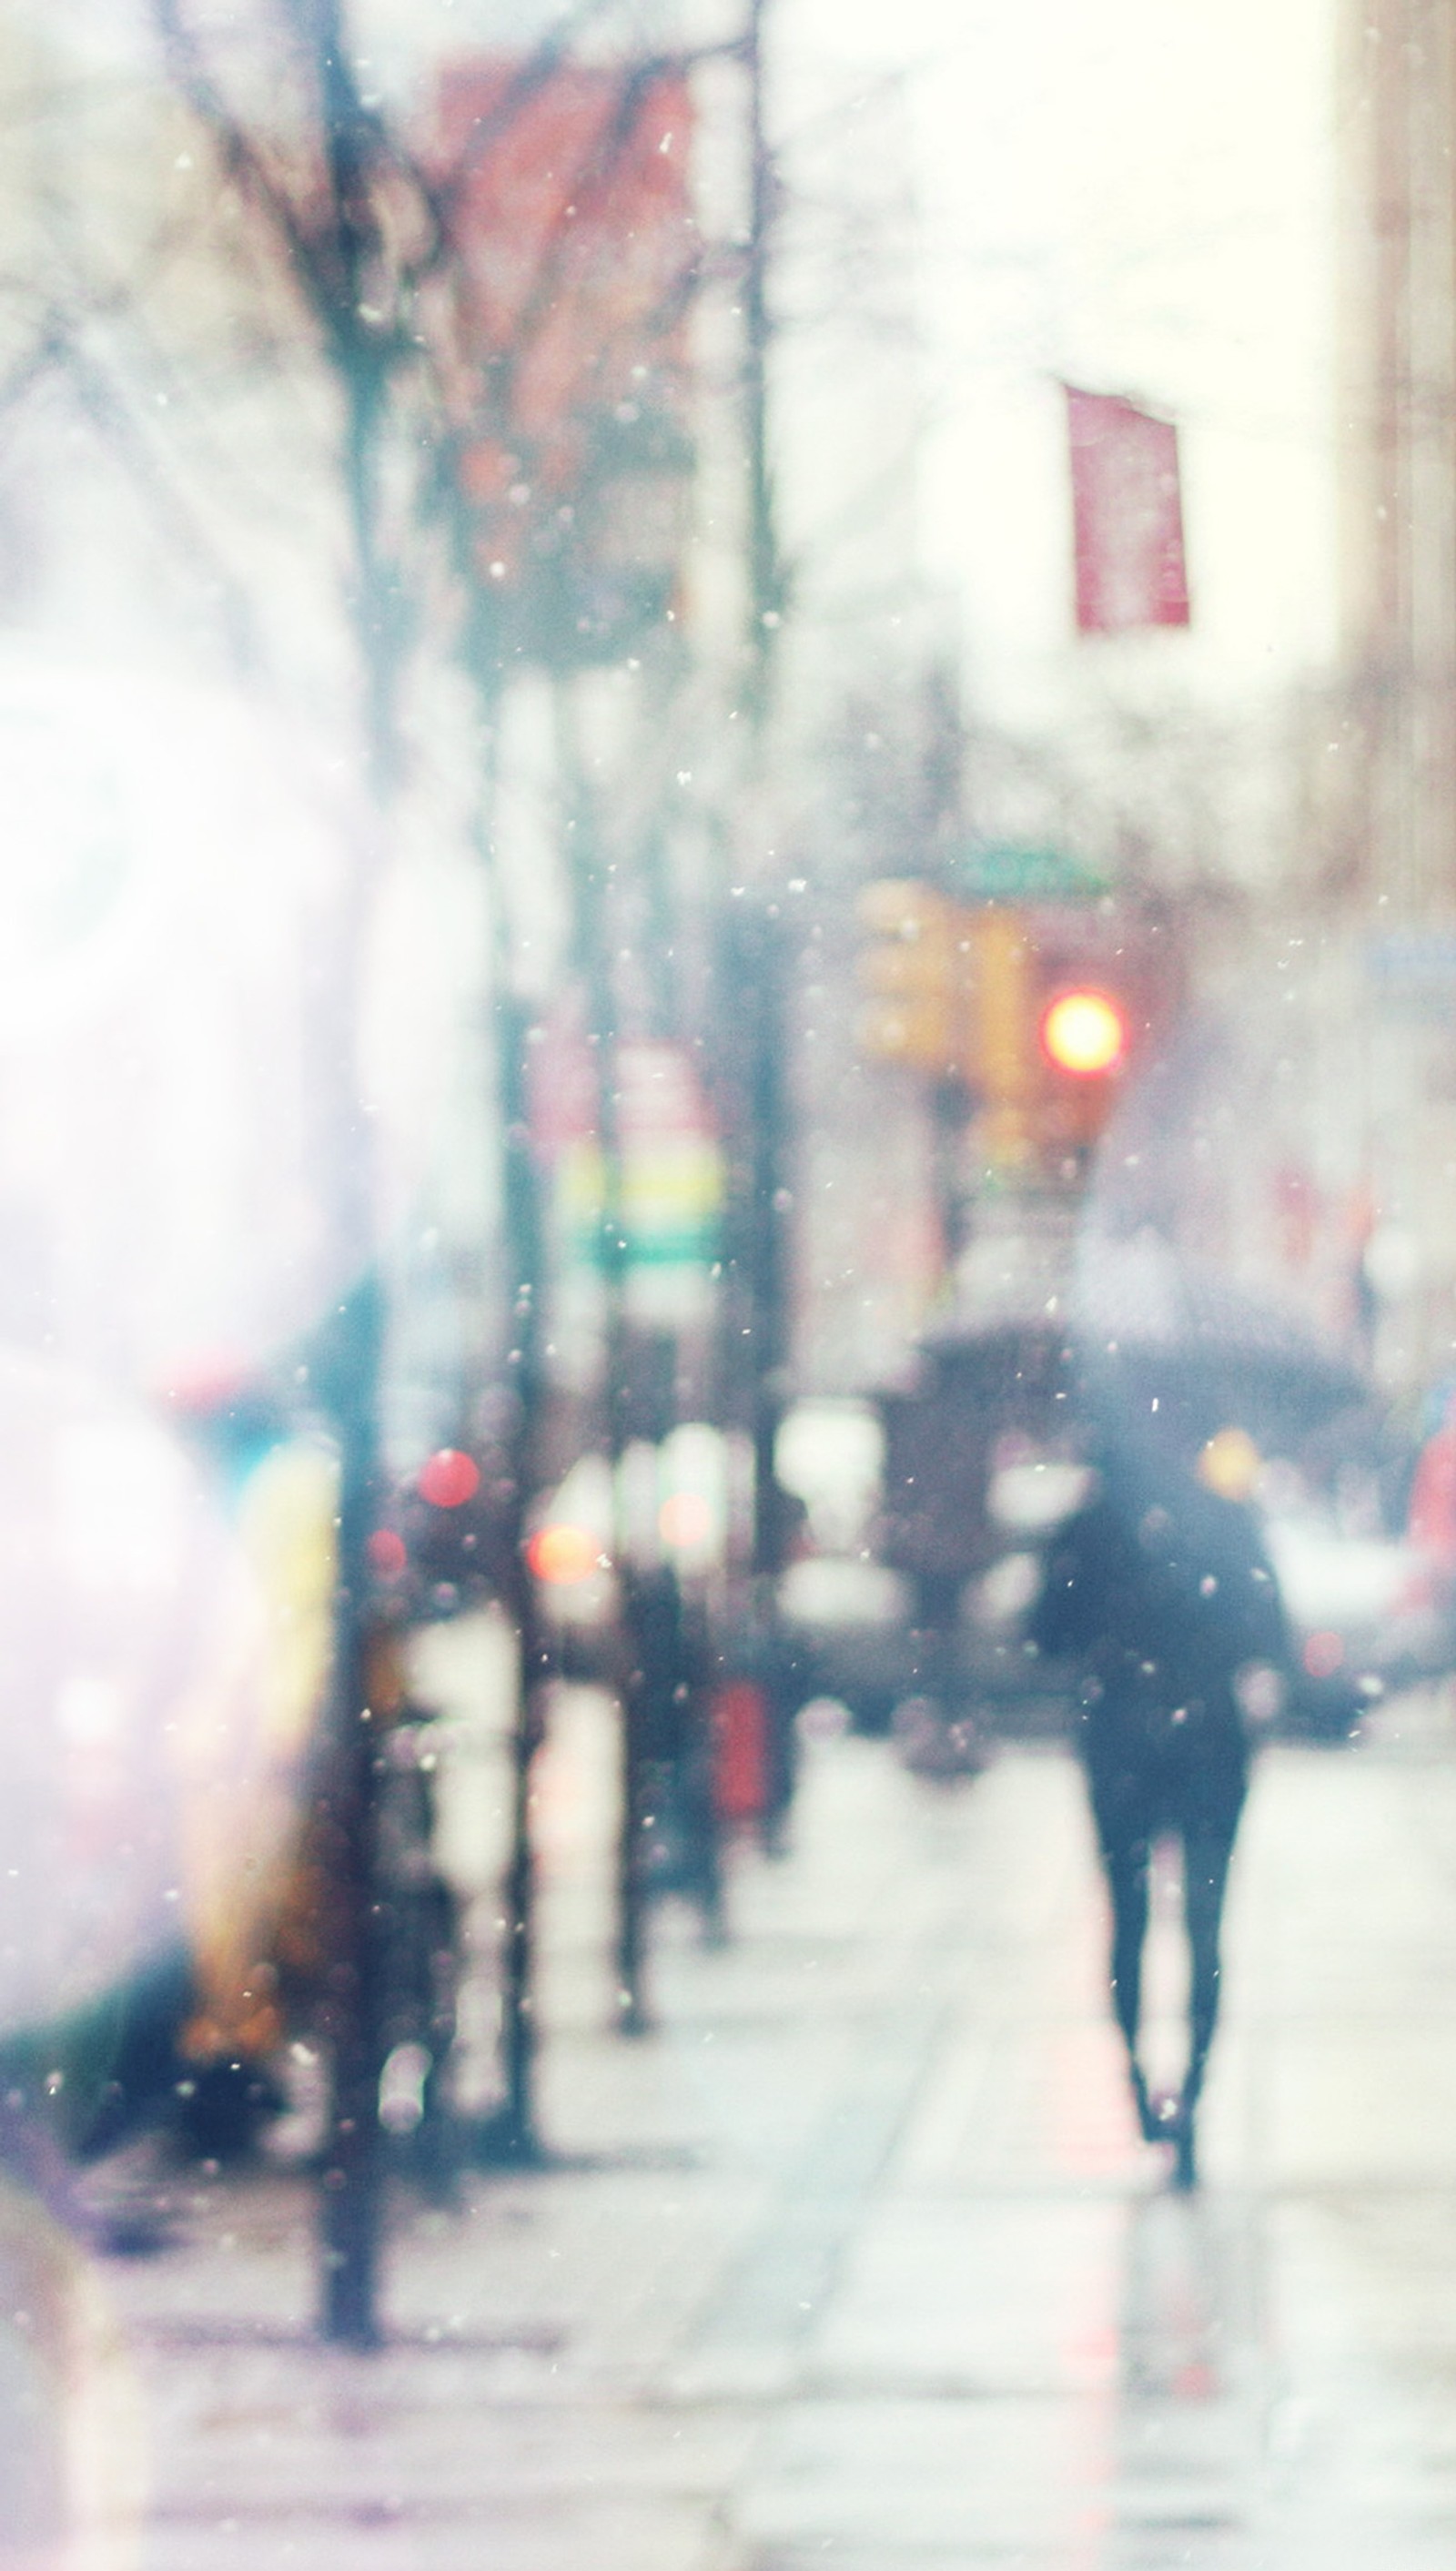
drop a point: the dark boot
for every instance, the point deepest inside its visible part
(1185, 2153)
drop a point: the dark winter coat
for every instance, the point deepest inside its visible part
(1160, 1592)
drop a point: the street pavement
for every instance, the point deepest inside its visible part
(856, 2260)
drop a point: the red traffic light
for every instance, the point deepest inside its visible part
(1085, 1033)
(449, 1480)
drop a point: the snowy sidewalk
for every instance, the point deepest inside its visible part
(857, 2258)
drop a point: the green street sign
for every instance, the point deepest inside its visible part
(1011, 874)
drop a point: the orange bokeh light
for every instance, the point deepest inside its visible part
(561, 1553)
(1084, 1032)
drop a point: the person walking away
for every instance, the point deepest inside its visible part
(1158, 1590)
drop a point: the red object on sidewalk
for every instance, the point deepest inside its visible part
(1126, 516)
(741, 1750)
(1432, 1518)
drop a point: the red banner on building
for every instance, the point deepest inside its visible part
(1126, 516)
(571, 207)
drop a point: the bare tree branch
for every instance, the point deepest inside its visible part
(239, 155)
(48, 352)
(599, 167)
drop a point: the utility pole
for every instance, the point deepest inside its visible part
(755, 958)
(751, 969)
(765, 575)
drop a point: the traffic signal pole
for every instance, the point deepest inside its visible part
(757, 966)
(765, 570)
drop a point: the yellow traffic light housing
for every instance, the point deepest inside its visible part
(1002, 1064)
(916, 974)
(1037, 1007)
(1053, 1023)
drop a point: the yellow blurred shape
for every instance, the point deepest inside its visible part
(561, 1553)
(244, 1734)
(1231, 1464)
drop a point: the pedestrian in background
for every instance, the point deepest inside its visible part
(1160, 1592)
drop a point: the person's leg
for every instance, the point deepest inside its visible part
(1205, 1856)
(1125, 1858)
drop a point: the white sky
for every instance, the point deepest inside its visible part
(1135, 195)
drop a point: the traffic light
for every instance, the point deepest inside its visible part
(1042, 1009)
(1062, 1002)
(1084, 1033)
(1094, 1012)
(915, 971)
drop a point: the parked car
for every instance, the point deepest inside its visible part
(1366, 1616)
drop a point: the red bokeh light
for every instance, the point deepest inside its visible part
(388, 1555)
(449, 1480)
(1084, 1032)
(1323, 1654)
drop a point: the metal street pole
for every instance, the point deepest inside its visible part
(595, 956)
(765, 570)
(755, 951)
(515, 2136)
(346, 1379)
